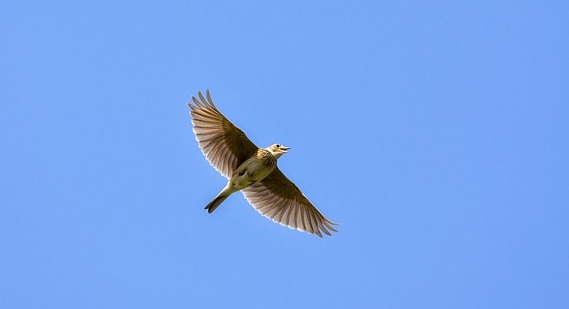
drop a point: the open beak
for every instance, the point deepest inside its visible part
(284, 149)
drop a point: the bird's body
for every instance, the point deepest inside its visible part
(249, 172)
(253, 171)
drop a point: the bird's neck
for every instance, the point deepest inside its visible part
(274, 154)
(265, 153)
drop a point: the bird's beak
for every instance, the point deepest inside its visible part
(285, 148)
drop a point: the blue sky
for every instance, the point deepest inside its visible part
(436, 133)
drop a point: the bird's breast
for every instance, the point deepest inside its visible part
(252, 170)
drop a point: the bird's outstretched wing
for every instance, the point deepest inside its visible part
(224, 145)
(279, 199)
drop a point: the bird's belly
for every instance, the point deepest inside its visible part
(250, 172)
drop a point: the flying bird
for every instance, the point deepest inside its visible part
(253, 171)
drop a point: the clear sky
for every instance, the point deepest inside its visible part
(435, 132)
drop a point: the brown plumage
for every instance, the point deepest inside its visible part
(252, 170)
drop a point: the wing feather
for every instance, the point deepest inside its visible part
(223, 144)
(280, 200)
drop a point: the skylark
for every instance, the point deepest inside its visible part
(253, 171)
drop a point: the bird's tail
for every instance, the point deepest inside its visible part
(216, 202)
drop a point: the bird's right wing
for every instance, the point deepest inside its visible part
(224, 145)
(279, 199)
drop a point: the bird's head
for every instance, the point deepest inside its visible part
(277, 150)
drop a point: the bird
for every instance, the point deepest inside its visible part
(252, 170)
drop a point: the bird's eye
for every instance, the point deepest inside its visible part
(278, 145)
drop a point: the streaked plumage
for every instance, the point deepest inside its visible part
(253, 171)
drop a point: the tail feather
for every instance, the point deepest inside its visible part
(216, 202)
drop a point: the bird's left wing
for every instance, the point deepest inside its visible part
(224, 145)
(279, 199)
